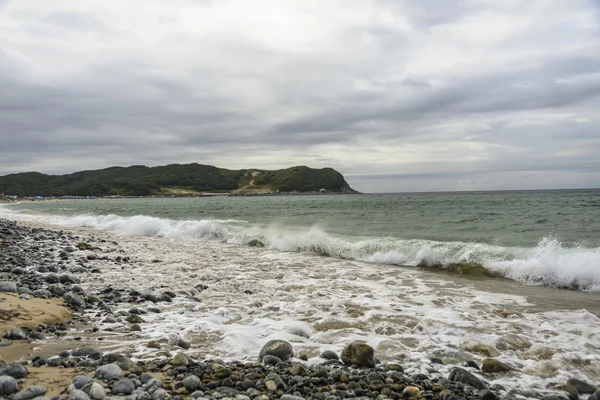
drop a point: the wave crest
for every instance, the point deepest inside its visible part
(549, 263)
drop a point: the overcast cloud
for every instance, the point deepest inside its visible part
(396, 95)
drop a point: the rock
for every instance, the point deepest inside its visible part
(481, 348)
(299, 370)
(121, 360)
(221, 372)
(87, 352)
(329, 355)
(109, 372)
(42, 294)
(37, 336)
(135, 319)
(8, 286)
(464, 376)
(57, 289)
(512, 341)
(78, 395)
(411, 391)
(278, 348)
(290, 397)
(472, 364)
(180, 360)
(271, 385)
(16, 370)
(124, 387)
(581, 386)
(30, 392)
(153, 344)
(8, 385)
(191, 383)
(80, 381)
(595, 396)
(15, 334)
(136, 328)
(183, 344)
(491, 365)
(359, 353)
(571, 391)
(95, 391)
(74, 300)
(486, 394)
(256, 243)
(271, 360)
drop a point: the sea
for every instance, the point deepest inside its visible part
(415, 275)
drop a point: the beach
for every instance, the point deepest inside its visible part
(141, 298)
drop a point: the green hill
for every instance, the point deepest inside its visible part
(139, 180)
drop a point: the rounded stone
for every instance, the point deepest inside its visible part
(78, 395)
(359, 353)
(124, 387)
(8, 385)
(329, 355)
(16, 370)
(95, 391)
(109, 372)
(30, 392)
(278, 348)
(191, 383)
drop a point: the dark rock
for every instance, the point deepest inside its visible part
(359, 353)
(271, 360)
(491, 365)
(16, 370)
(42, 294)
(329, 355)
(183, 344)
(595, 396)
(571, 391)
(581, 386)
(82, 380)
(37, 336)
(30, 392)
(472, 364)
(15, 334)
(87, 352)
(74, 300)
(135, 319)
(123, 386)
(464, 376)
(486, 394)
(109, 372)
(8, 385)
(278, 348)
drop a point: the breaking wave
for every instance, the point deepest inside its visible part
(549, 263)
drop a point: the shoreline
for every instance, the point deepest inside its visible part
(34, 257)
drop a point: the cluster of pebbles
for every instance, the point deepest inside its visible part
(41, 263)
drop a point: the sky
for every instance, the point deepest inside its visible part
(398, 95)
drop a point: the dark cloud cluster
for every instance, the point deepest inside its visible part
(397, 95)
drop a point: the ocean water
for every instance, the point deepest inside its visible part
(539, 237)
(414, 275)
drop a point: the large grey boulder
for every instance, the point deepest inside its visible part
(8, 385)
(8, 286)
(464, 376)
(359, 353)
(16, 370)
(109, 372)
(124, 387)
(30, 392)
(95, 391)
(278, 348)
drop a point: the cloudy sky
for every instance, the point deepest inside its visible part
(397, 95)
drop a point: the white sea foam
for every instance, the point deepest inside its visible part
(549, 263)
(321, 303)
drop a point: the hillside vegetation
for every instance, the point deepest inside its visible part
(139, 180)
